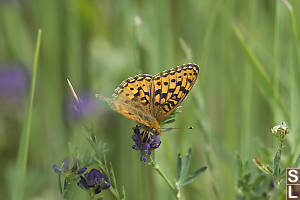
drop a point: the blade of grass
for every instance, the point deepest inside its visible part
(297, 162)
(275, 47)
(295, 71)
(18, 190)
(247, 107)
(261, 75)
(209, 31)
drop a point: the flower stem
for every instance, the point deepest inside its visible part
(155, 166)
(279, 150)
(280, 145)
(59, 184)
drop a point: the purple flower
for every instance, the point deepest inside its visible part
(80, 171)
(56, 169)
(87, 106)
(65, 167)
(66, 163)
(95, 180)
(14, 83)
(145, 142)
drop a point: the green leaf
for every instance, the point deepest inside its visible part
(112, 177)
(123, 193)
(169, 121)
(262, 166)
(171, 117)
(186, 164)
(282, 175)
(100, 198)
(297, 162)
(193, 176)
(179, 166)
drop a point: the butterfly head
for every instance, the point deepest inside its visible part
(156, 131)
(155, 128)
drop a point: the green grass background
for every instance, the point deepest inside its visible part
(249, 81)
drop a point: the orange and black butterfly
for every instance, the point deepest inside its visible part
(148, 100)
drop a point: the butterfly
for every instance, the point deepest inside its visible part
(148, 100)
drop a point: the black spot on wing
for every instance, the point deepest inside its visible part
(171, 90)
(164, 95)
(157, 92)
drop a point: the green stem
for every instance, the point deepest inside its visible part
(175, 189)
(115, 193)
(103, 166)
(18, 190)
(280, 146)
(276, 173)
(59, 184)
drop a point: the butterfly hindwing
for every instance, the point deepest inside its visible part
(133, 112)
(132, 99)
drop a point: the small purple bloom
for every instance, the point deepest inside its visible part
(14, 82)
(56, 169)
(80, 171)
(145, 142)
(65, 167)
(76, 165)
(82, 183)
(66, 163)
(87, 106)
(98, 189)
(95, 180)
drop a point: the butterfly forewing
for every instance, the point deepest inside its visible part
(177, 82)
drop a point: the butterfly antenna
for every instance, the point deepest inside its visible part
(99, 96)
(190, 127)
(73, 91)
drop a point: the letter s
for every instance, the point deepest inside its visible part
(293, 176)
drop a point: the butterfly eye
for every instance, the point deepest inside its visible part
(154, 131)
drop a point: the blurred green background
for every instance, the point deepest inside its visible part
(99, 43)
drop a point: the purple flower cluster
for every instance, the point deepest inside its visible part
(94, 180)
(145, 141)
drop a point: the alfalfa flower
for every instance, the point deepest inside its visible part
(145, 142)
(64, 167)
(94, 180)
